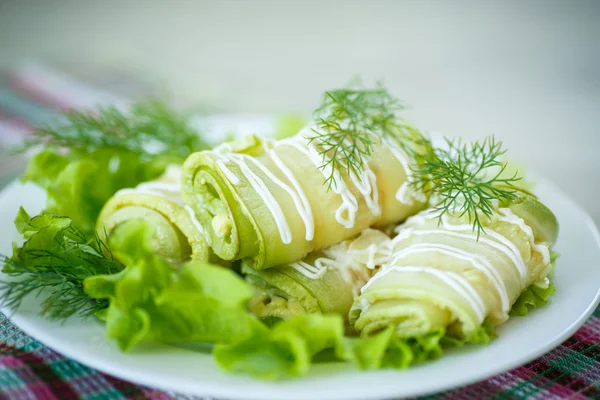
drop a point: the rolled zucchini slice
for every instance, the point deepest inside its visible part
(179, 236)
(443, 276)
(326, 281)
(265, 202)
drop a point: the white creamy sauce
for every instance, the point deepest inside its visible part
(508, 216)
(376, 254)
(458, 283)
(298, 196)
(346, 212)
(480, 263)
(511, 251)
(366, 184)
(260, 188)
(353, 273)
(227, 172)
(372, 249)
(310, 271)
(192, 215)
(454, 280)
(501, 243)
(405, 194)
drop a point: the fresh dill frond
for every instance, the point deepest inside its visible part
(61, 290)
(52, 264)
(149, 129)
(467, 179)
(350, 121)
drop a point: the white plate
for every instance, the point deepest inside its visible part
(520, 340)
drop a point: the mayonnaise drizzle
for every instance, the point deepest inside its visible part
(298, 196)
(509, 249)
(508, 216)
(481, 263)
(405, 193)
(352, 272)
(260, 187)
(366, 184)
(310, 271)
(501, 243)
(192, 215)
(228, 174)
(452, 279)
(462, 286)
(349, 205)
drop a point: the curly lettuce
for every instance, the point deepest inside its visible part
(288, 349)
(94, 154)
(292, 346)
(52, 263)
(152, 300)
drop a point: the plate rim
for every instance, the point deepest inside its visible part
(221, 391)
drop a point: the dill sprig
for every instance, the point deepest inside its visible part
(465, 178)
(149, 129)
(468, 179)
(53, 266)
(350, 121)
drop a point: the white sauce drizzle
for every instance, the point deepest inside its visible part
(405, 193)
(505, 245)
(478, 262)
(261, 189)
(192, 215)
(310, 271)
(454, 280)
(349, 204)
(462, 286)
(228, 174)
(366, 184)
(298, 196)
(509, 249)
(508, 216)
(372, 249)
(377, 254)
(352, 272)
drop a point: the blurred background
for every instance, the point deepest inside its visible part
(526, 71)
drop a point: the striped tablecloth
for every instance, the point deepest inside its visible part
(30, 94)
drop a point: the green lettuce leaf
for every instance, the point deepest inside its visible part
(287, 349)
(533, 297)
(84, 162)
(387, 350)
(151, 300)
(292, 346)
(536, 295)
(78, 184)
(52, 263)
